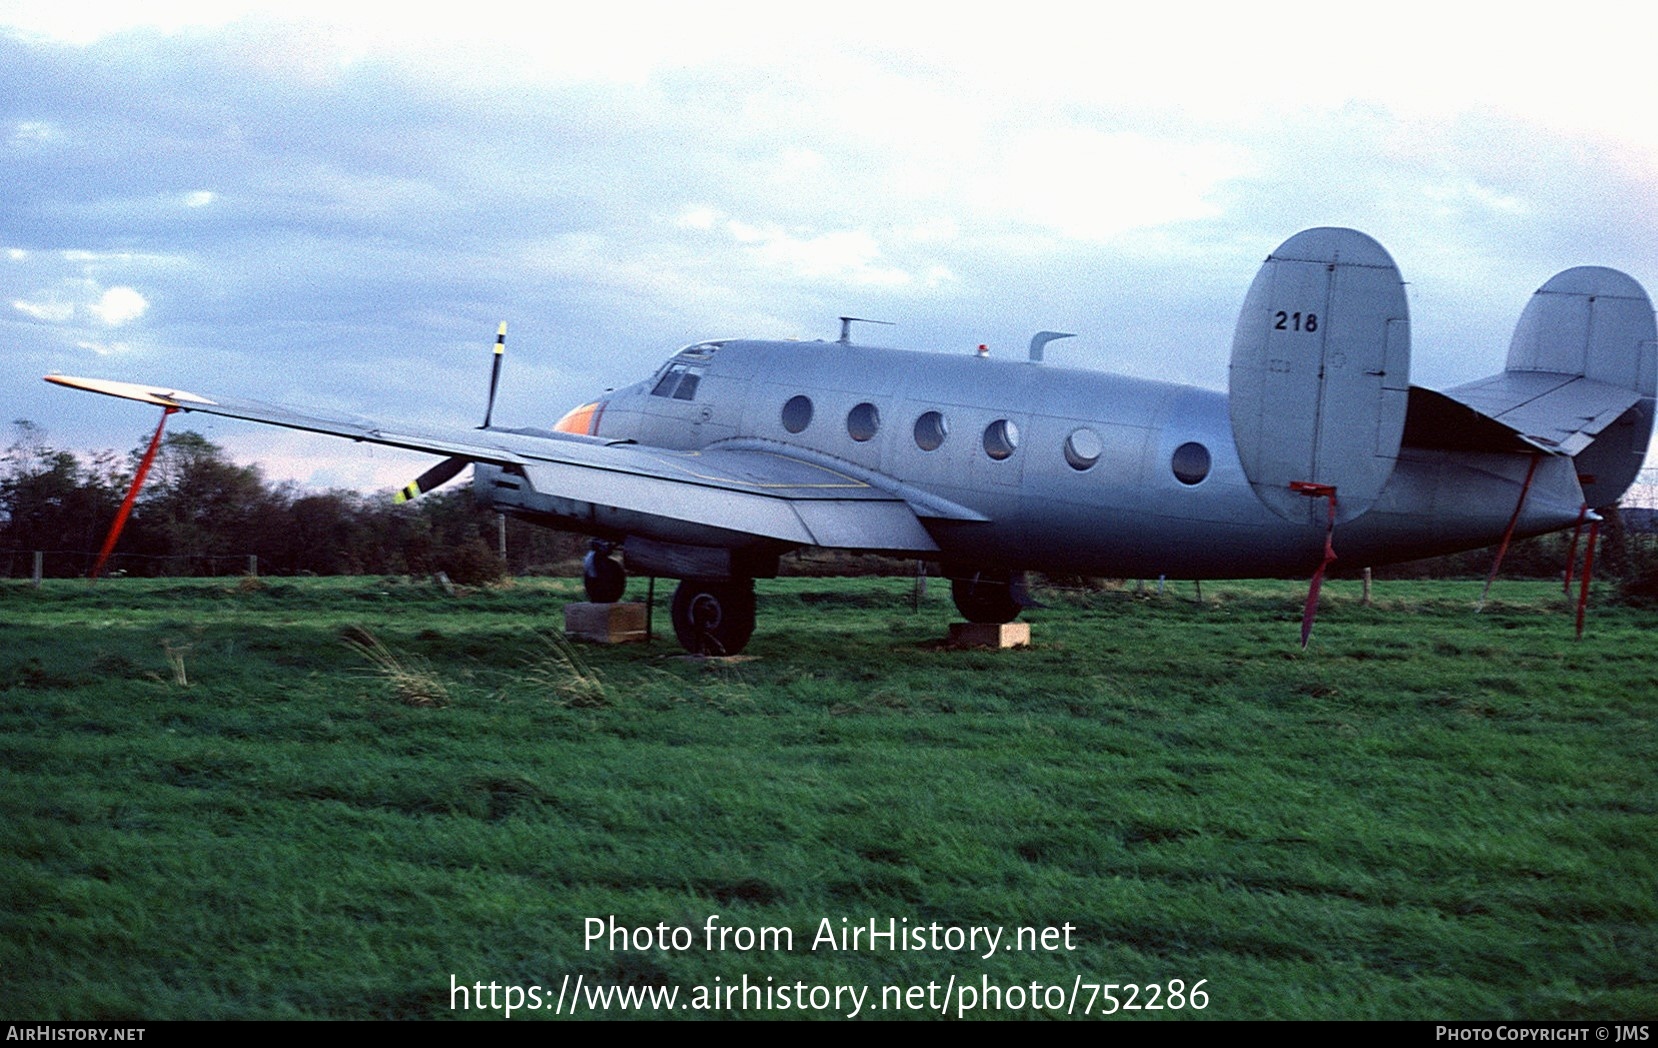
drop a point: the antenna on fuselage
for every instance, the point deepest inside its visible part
(846, 327)
(1041, 339)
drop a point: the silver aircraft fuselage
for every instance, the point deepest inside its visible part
(1074, 471)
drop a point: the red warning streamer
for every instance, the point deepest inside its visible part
(132, 495)
(1310, 611)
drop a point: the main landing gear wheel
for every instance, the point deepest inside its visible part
(714, 618)
(985, 598)
(602, 578)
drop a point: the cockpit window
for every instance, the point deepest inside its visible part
(680, 381)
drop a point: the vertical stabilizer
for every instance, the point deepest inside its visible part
(1320, 373)
(1596, 323)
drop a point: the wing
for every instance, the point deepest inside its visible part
(752, 488)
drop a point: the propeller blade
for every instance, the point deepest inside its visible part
(438, 474)
(495, 372)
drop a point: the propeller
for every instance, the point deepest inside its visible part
(441, 473)
(445, 471)
(495, 371)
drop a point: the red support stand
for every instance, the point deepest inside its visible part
(1571, 550)
(132, 496)
(1310, 610)
(1508, 533)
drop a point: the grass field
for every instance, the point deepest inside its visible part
(331, 798)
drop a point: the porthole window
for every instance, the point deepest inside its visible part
(1083, 448)
(797, 414)
(1190, 463)
(862, 422)
(930, 431)
(1001, 439)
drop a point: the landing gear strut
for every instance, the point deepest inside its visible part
(601, 576)
(985, 597)
(714, 618)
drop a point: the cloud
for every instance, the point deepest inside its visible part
(51, 310)
(325, 209)
(104, 349)
(111, 307)
(119, 305)
(1096, 184)
(26, 133)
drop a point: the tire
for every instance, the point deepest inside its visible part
(714, 618)
(602, 578)
(985, 598)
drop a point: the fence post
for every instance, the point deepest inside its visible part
(1367, 587)
(40, 567)
(253, 565)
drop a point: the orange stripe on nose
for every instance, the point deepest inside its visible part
(581, 421)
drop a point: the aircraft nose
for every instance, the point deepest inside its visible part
(582, 421)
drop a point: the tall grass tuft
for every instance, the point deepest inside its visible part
(412, 679)
(561, 671)
(175, 660)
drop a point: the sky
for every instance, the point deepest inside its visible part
(315, 206)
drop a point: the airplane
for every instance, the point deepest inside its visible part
(737, 451)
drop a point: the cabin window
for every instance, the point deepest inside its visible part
(862, 422)
(688, 386)
(1001, 439)
(797, 414)
(1190, 463)
(930, 431)
(1083, 449)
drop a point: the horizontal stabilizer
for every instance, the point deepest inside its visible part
(1551, 412)
(1581, 376)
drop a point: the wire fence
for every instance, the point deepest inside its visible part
(72, 563)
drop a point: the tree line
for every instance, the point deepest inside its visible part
(200, 513)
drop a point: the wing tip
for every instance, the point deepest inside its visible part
(170, 398)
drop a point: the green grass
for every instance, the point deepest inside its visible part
(1429, 814)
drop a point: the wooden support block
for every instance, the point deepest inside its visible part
(989, 635)
(605, 623)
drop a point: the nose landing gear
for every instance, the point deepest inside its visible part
(601, 576)
(986, 597)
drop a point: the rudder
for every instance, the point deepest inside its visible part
(1320, 372)
(1597, 323)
